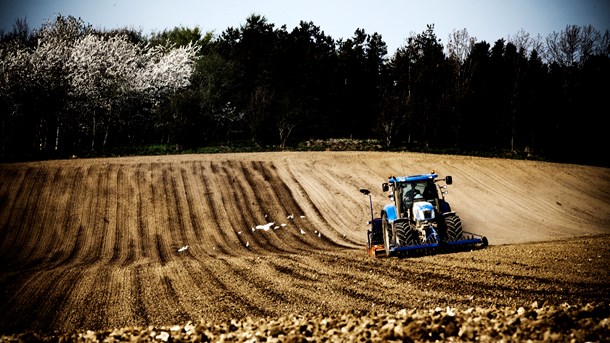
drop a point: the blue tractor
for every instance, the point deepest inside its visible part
(418, 220)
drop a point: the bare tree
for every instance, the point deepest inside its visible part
(575, 44)
(590, 40)
(459, 45)
(285, 125)
(525, 43)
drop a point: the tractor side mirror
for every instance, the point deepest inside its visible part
(365, 191)
(385, 187)
(448, 180)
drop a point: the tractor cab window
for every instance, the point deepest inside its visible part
(414, 191)
(430, 193)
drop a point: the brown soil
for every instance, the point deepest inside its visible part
(94, 244)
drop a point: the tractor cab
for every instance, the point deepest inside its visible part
(408, 190)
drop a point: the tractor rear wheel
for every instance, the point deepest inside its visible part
(387, 233)
(406, 236)
(454, 228)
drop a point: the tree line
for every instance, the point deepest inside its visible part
(67, 88)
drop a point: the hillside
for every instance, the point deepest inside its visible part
(96, 243)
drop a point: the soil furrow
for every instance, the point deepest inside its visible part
(221, 228)
(40, 247)
(19, 229)
(283, 197)
(141, 315)
(258, 189)
(143, 206)
(93, 213)
(177, 310)
(38, 310)
(121, 231)
(190, 206)
(239, 212)
(332, 232)
(184, 225)
(217, 295)
(127, 221)
(15, 183)
(161, 251)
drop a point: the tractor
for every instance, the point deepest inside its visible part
(418, 220)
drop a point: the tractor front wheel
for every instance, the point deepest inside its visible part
(387, 233)
(406, 236)
(454, 228)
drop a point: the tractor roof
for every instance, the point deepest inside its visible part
(413, 178)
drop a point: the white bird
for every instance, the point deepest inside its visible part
(283, 225)
(319, 235)
(247, 244)
(239, 232)
(265, 227)
(302, 232)
(290, 216)
(276, 227)
(302, 216)
(183, 248)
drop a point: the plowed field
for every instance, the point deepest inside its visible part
(104, 243)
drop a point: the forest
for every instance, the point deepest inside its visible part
(67, 89)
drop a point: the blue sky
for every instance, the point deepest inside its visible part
(395, 20)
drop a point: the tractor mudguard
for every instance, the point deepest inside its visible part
(390, 211)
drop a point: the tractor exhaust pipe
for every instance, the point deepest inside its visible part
(367, 192)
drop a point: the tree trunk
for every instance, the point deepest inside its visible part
(106, 135)
(57, 138)
(93, 131)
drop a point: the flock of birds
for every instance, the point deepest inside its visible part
(264, 227)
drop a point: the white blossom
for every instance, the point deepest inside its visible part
(165, 71)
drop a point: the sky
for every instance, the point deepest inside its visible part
(394, 20)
